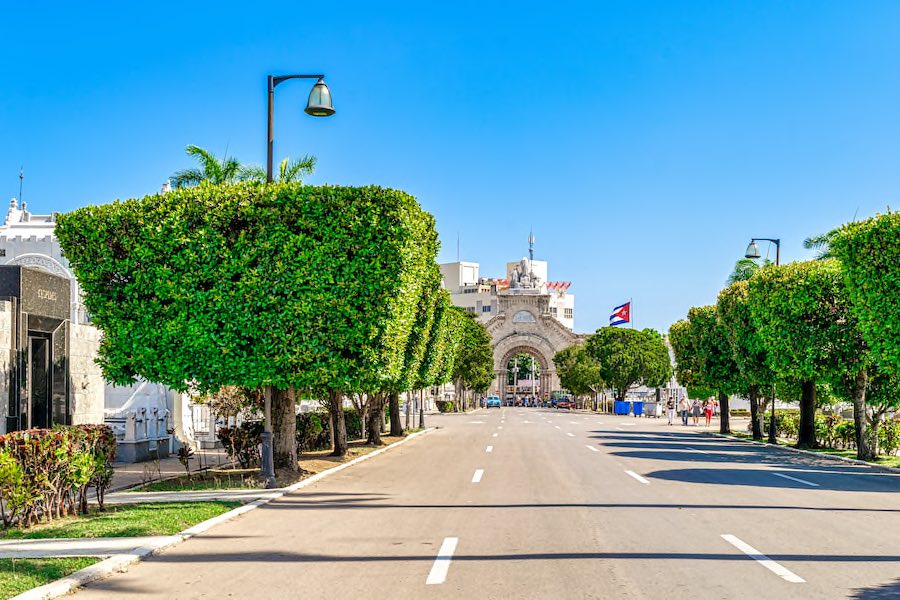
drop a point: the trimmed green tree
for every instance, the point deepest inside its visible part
(261, 286)
(702, 347)
(578, 372)
(802, 314)
(747, 349)
(869, 252)
(473, 366)
(630, 357)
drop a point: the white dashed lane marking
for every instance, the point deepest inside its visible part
(441, 564)
(762, 559)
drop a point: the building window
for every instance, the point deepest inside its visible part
(568, 313)
(469, 291)
(553, 312)
(486, 308)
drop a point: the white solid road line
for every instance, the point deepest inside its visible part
(570, 434)
(489, 449)
(695, 450)
(762, 559)
(494, 435)
(619, 429)
(576, 422)
(803, 481)
(441, 564)
(638, 477)
(592, 448)
(629, 424)
(557, 426)
(476, 478)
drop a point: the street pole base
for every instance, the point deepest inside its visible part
(267, 460)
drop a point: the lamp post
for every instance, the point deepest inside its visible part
(515, 381)
(318, 105)
(753, 252)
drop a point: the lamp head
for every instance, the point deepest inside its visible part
(319, 104)
(752, 251)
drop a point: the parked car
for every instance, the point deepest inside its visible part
(565, 403)
(493, 401)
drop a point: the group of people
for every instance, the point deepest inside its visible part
(691, 409)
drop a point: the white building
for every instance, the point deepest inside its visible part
(527, 277)
(141, 414)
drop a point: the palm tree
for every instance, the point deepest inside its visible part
(289, 171)
(821, 243)
(744, 270)
(227, 170)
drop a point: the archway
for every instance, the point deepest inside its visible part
(525, 371)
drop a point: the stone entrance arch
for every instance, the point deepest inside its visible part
(545, 382)
(524, 325)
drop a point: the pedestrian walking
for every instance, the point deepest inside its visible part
(670, 410)
(683, 408)
(708, 409)
(695, 412)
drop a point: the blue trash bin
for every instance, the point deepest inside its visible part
(638, 408)
(620, 407)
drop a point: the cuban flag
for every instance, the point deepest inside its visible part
(621, 314)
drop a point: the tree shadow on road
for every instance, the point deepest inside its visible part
(886, 591)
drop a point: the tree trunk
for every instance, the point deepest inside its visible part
(336, 408)
(755, 425)
(863, 451)
(807, 436)
(724, 415)
(284, 429)
(376, 418)
(396, 426)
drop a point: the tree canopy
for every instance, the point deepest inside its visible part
(473, 365)
(870, 254)
(630, 357)
(578, 372)
(252, 285)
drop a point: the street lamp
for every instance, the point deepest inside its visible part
(515, 381)
(753, 252)
(318, 105)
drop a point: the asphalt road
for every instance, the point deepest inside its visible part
(531, 503)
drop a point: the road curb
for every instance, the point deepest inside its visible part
(119, 563)
(851, 461)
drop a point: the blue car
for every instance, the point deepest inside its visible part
(493, 401)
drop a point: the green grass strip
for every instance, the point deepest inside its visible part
(127, 520)
(18, 575)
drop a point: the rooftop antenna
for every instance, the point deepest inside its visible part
(21, 179)
(531, 244)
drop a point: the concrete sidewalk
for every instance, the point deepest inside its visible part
(240, 495)
(61, 547)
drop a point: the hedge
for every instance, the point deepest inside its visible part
(46, 473)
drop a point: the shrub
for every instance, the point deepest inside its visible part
(889, 437)
(46, 473)
(445, 406)
(846, 434)
(312, 431)
(242, 443)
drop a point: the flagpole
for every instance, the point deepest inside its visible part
(631, 311)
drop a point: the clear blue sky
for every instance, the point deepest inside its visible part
(645, 142)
